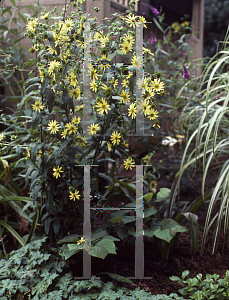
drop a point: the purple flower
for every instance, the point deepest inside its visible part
(153, 38)
(154, 10)
(186, 73)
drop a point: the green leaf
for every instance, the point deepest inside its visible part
(97, 251)
(73, 238)
(13, 232)
(122, 232)
(108, 245)
(149, 211)
(163, 234)
(29, 62)
(164, 193)
(193, 230)
(148, 232)
(117, 277)
(116, 220)
(106, 177)
(148, 197)
(99, 233)
(128, 219)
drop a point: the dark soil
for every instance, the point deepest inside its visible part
(154, 266)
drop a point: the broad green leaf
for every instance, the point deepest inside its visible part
(163, 234)
(108, 245)
(149, 211)
(128, 219)
(70, 239)
(122, 232)
(163, 193)
(148, 232)
(97, 251)
(99, 233)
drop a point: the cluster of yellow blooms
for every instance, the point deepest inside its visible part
(148, 87)
(179, 27)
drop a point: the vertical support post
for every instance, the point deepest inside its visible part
(139, 246)
(86, 80)
(87, 224)
(139, 75)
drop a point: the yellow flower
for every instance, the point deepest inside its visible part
(71, 128)
(94, 73)
(157, 85)
(76, 120)
(75, 93)
(37, 106)
(52, 51)
(64, 133)
(115, 137)
(114, 82)
(94, 85)
(105, 57)
(45, 16)
(68, 24)
(81, 241)
(104, 86)
(103, 67)
(73, 79)
(136, 61)
(78, 107)
(109, 146)
(93, 129)
(147, 51)
(32, 24)
(39, 153)
(142, 20)
(98, 35)
(57, 171)
(142, 84)
(129, 163)
(146, 107)
(28, 153)
(102, 106)
(124, 96)
(74, 196)
(128, 39)
(153, 186)
(41, 74)
(131, 20)
(132, 111)
(53, 126)
(125, 144)
(125, 47)
(83, 141)
(146, 159)
(152, 114)
(130, 74)
(103, 41)
(53, 65)
(125, 83)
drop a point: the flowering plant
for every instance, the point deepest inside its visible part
(59, 105)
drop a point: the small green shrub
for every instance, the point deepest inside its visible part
(210, 288)
(36, 271)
